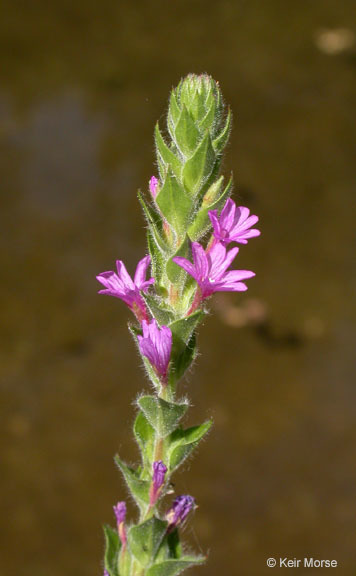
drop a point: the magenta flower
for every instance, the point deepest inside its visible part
(156, 346)
(106, 573)
(153, 184)
(120, 514)
(234, 224)
(180, 509)
(159, 474)
(210, 270)
(122, 286)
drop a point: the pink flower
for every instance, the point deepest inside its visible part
(122, 286)
(210, 270)
(153, 186)
(234, 224)
(156, 346)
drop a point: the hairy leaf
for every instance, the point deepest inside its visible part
(145, 540)
(112, 549)
(138, 488)
(174, 567)
(163, 416)
(183, 442)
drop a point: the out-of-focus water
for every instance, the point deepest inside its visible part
(81, 87)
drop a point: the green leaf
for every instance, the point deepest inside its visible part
(208, 121)
(186, 133)
(175, 273)
(162, 315)
(173, 114)
(197, 169)
(174, 204)
(170, 547)
(165, 155)
(174, 567)
(183, 442)
(174, 545)
(184, 344)
(201, 222)
(145, 437)
(138, 488)
(220, 142)
(163, 416)
(157, 259)
(154, 221)
(112, 549)
(125, 562)
(183, 361)
(145, 539)
(183, 329)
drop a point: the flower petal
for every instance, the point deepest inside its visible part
(141, 271)
(124, 275)
(186, 265)
(201, 263)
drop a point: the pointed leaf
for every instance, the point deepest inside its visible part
(201, 223)
(112, 549)
(145, 539)
(166, 155)
(163, 416)
(157, 259)
(186, 133)
(183, 442)
(174, 567)
(208, 121)
(220, 141)
(182, 361)
(174, 204)
(154, 221)
(173, 110)
(138, 488)
(145, 437)
(175, 273)
(197, 169)
(157, 310)
(170, 547)
(183, 329)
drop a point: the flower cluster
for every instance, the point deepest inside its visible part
(209, 269)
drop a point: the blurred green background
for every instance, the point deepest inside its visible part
(82, 84)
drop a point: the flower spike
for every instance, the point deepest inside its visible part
(182, 205)
(234, 224)
(122, 286)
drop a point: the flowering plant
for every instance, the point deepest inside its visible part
(190, 222)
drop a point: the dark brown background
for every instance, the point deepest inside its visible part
(81, 86)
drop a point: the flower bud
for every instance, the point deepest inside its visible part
(180, 509)
(120, 514)
(159, 473)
